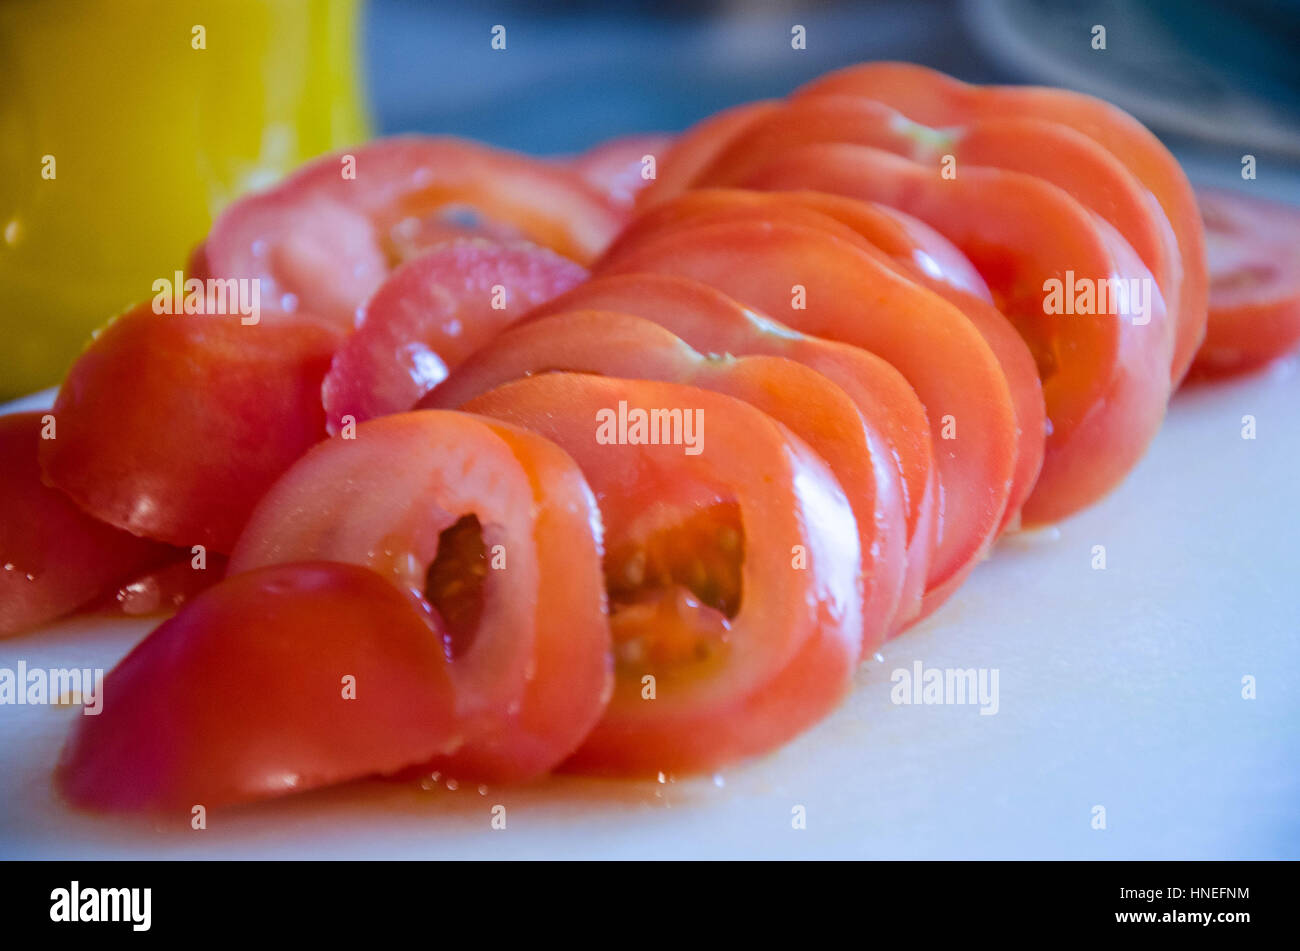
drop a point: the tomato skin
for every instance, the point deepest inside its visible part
(54, 558)
(815, 409)
(711, 322)
(929, 96)
(172, 427)
(242, 695)
(760, 263)
(430, 314)
(1254, 282)
(536, 674)
(615, 168)
(695, 148)
(793, 642)
(320, 243)
(1023, 233)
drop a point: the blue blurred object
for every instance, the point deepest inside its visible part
(1215, 80)
(573, 74)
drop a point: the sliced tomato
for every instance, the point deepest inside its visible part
(928, 96)
(54, 558)
(430, 314)
(733, 572)
(848, 295)
(493, 531)
(813, 407)
(1051, 151)
(323, 241)
(1254, 248)
(276, 681)
(711, 322)
(1105, 375)
(696, 147)
(901, 243)
(172, 427)
(618, 168)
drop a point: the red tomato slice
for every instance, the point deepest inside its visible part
(172, 427)
(928, 96)
(243, 695)
(430, 314)
(1048, 150)
(901, 243)
(733, 573)
(813, 407)
(491, 529)
(1254, 250)
(618, 168)
(852, 297)
(711, 322)
(695, 148)
(323, 240)
(53, 557)
(1105, 375)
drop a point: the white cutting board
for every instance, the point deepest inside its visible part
(1120, 688)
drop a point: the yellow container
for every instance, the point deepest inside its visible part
(125, 125)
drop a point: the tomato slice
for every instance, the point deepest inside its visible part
(1105, 375)
(928, 96)
(172, 427)
(492, 530)
(813, 407)
(711, 322)
(430, 314)
(1048, 150)
(244, 695)
(850, 296)
(901, 243)
(323, 240)
(695, 148)
(54, 558)
(618, 168)
(733, 572)
(1254, 248)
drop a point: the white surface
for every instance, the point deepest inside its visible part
(1119, 688)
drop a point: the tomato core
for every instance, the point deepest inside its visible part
(674, 589)
(455, 580)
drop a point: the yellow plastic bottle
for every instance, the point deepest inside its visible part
(125, 125)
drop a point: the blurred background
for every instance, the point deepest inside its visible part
(153, 125)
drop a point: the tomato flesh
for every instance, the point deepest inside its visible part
(1254, 249)
(814, 408)
(1101, 372)
(325, 239)
(529, 634)
(710, 322)
(787, 654)
(430, 314)
(851, 297)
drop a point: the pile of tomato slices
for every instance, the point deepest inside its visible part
(618, 465)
